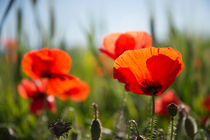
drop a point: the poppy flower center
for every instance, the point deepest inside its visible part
(150, 87)
(123, 43)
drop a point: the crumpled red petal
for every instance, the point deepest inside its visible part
(27, 88)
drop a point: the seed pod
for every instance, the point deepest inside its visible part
(190, 126)
(96, 125)
(172, 109)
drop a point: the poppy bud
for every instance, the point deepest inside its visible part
(96, 130)
(59, 128)
(96, 125)
(190, 126)
(172, 109)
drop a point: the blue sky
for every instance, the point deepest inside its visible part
(73, 17)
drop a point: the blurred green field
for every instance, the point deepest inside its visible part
(116, 107)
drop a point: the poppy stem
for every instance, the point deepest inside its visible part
(172, 128)
(153, 114)
(153, 104)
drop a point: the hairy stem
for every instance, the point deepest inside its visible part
(172, 128)
(153, 114)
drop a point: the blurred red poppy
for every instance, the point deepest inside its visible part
(54, 65)
(148, 71)
(72, 88)
(35, 90)
(10, 45)
(116, 43)
(161, 103)
(46, 63)
(206, 103)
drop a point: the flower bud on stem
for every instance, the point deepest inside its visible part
(96, 125)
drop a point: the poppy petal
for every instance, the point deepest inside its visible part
(206, 103)
(77, 93)
(68, 87)
(165, 67)
(116, 43)
(109, 43)
(107, 53)
(42, 63)
(143, 39)
(27, 88)
(148, 66)
(123, 43)
(124, 75)
(37, 105)
(59, 84)
(161, 103)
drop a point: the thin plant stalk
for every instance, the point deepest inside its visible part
(153, 114)
(172, 128)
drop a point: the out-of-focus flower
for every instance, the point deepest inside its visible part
(46, 63)
(161, 103)
(116, 43)
(197, 62)
(206, 103)
(148, 71)
(54, 65)
(205, 120)
(35, 90)
(10, 43)
(10, 50)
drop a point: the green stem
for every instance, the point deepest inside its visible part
(153, 114)
(172, 128)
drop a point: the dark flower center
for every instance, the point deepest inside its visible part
(150, 87)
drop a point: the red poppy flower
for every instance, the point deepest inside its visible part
(70, 88)
(161, 104)
(116, 43)
(148, 71)
(35, 90)
(9, 43)
(206, 103)
(46, 63)
(205, 120)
